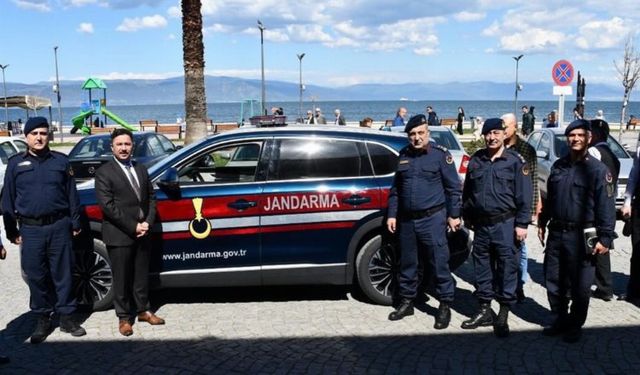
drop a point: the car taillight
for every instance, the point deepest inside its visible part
(464, 164)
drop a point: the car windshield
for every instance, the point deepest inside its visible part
(562, 148)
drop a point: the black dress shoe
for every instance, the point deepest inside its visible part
(501, 324)
(4, 360)
(43, 329)
(572, 335)
(69, 325)
(482, 318)
(405, 309)
(444, 316)
(600, 294)
(520, 295)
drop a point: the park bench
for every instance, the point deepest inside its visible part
(148, 125)
(170, 129)
(5, 133)
(451, 122)
(633, 122)
(224, 127)
(107, 129)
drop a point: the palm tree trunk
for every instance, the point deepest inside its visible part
(195, 101)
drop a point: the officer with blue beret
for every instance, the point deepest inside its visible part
(424, 200)
(41, 212)
(579, 211)
(496, 197)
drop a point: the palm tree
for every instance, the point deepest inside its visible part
(195, 101)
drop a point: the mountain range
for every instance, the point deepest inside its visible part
(230, 89)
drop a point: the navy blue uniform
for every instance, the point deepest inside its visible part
(497, 198)
(40, 194)
(579, 195)
(426, 190)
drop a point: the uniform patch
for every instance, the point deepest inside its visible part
(610, 190)
(404, 162)
(26, 162)
(449, 159)
(609, 177)
(525, 170)
(71, 172)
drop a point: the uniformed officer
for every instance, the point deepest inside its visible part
(424, 200)
(3, 255)
(580, 195)
(497, 206)
(40, 196)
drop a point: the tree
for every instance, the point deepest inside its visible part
(629, 72)
(195, 102)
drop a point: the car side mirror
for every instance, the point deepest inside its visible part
(542, 154)
(169, 182)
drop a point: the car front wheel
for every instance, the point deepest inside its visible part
(376, 269)
(93, 279)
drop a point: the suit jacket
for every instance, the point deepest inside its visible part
(120, 204)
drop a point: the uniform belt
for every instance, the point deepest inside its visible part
(495, 219)
(568, 225)
(415, 215)
(42, 220)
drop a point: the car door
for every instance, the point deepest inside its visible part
(210, 230)
(318, 191)
(545, 146)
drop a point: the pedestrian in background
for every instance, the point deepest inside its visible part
(432, 118)
(460, 120)
(599, 149)
(551, 120)
(40, 196)
(527, 121)
(401, 113)
(320, 119)
(339, 119)
(579, 211)
(519, 145)
(497, 206)
(424, 201)
(366, 122)
(128, 204)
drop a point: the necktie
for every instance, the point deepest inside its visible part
(136, 189)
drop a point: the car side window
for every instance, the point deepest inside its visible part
(545, 144)
(155, 148)
(533, 139)
(226, 164)
(384, 160)
(166, 144)
(308, 158)
(6, 151)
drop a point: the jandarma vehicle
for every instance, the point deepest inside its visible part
(276, 206)
(9, 146)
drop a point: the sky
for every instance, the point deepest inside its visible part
(345, 41)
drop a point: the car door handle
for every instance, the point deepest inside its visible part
(242, 204)
(356, 200)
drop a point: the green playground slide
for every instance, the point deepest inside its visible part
(78, 121)
(118, 120)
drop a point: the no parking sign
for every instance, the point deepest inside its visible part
(562, 73)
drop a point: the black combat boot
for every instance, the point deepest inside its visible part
(69, 325)
(404, 309)
(482, 318)
(43, 329)
(501, 325)
(444, 316)
(559, 326)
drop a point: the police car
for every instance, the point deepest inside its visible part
(251, 207)
(9, 146)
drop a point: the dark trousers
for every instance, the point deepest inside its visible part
(130, 267)
(569, 274)
(425, 238)
(47, 259)
(603, 279)
(633, 288)
(495, 262)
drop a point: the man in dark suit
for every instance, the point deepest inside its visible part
(128, 203)
(3, 254)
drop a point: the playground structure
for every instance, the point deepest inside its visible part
(96, 107)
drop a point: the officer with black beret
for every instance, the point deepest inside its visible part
(496, 197)
(41, 212)
(424, 200)
(579, 211)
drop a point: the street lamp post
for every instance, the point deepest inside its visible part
(261, 27)
(4, 85)
(56, 89)
(300, 56)
(518, 88)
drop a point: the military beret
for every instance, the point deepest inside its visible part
(34, 123)
(577, 124)
(600, 126)
(414, 122)
(492, 124)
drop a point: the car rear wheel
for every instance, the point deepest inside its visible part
(93, 279)
(376, 269)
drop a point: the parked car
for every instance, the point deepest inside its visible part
(94, 150)
(9, 146)
(551, 144)
(444, 136)
(264, 206)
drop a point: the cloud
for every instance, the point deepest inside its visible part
(174, 12)
(607, 34)
(85, 28)
(80, 3)
(37, 5)
(130, 75)
(533, 40)
(465, 16)
(137, 23)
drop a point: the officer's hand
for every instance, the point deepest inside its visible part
(140, 230)
(521, 234)
(17, 240)
(76, 232)
(541, 233)
(145, 226)
(454, 224)
(391, 224)
(3, 252)
(600, 249)
(626, 211)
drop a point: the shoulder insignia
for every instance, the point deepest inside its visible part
(449, 159)
(517, 154)
(525, 169)
(609, 177)
(442, 148)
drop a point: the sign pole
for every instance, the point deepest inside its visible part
(561, 110)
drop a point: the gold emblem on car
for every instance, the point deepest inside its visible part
(199, 226)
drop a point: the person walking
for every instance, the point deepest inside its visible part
(423, 202)
(401, 113)
(579, 211)
(433, 119)
(519, 145)
(128, 204)
(40, 197)
(527, 121)
(497, 206)
(460, 120)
